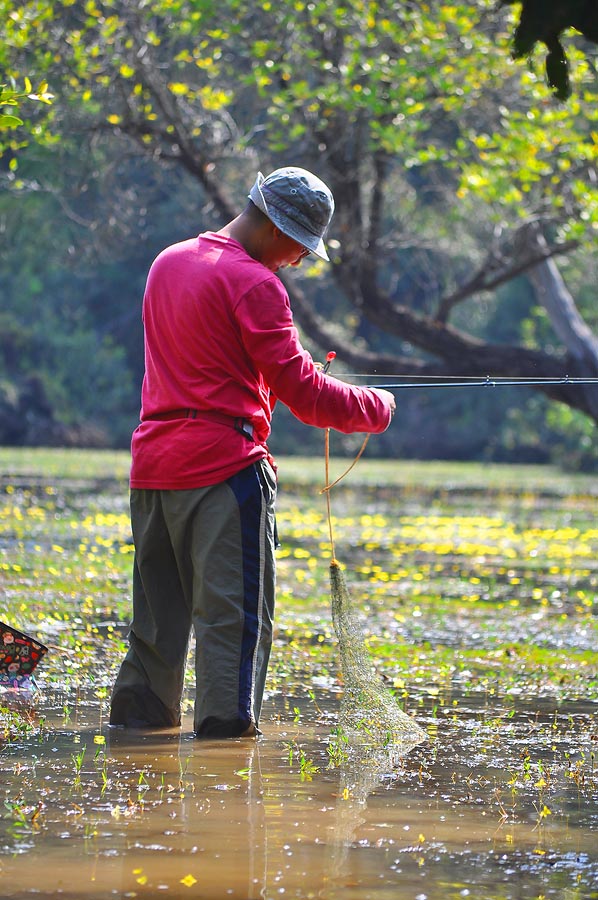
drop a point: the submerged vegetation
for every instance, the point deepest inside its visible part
(477, 590)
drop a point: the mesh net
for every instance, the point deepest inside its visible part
(370, 716)
(367, 706)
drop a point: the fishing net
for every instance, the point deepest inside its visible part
(367, 705)
(376, 733)
(369, 713)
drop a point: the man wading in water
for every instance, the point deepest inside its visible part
(220, 350)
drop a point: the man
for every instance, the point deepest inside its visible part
(220, 349)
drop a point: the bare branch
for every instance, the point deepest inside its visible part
(495, 271)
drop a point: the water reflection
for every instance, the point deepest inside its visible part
(363, 770)
(209, 823)
(131, 813)
(147, 814)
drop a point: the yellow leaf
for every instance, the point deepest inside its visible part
(188, 880)
(178, 88)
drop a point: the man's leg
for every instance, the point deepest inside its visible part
(232, 549)
(149, 684)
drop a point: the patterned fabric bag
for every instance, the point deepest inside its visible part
(19, 655)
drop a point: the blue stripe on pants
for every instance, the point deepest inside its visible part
(253, 509)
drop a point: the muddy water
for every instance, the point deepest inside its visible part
(147, 814)
(493, 653)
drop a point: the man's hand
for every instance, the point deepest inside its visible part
(388, 398)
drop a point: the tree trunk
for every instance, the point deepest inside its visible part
(575, 335)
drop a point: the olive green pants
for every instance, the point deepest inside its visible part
(204, 560)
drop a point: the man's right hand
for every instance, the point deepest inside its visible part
(388, 398)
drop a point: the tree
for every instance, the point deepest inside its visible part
(434, 144)
(11, 99)
(545, 22)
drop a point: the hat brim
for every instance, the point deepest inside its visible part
(311, 242)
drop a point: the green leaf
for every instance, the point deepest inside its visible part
(7, 122)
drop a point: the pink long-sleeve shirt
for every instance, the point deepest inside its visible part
(219, 336)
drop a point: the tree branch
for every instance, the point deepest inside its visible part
(494, 272)
(457, 354)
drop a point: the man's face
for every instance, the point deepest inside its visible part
(283, 251)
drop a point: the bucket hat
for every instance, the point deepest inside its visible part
(298, 203)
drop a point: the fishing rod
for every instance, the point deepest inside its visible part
(471, 381)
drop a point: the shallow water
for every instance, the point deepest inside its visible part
(143, 814)
(480, 613)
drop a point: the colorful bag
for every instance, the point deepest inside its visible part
(19, 655)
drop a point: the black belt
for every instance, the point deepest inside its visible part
(211, 415)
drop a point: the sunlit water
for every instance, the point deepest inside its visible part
(485, 628)
(142, 814)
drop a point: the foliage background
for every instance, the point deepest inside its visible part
(94, 186)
